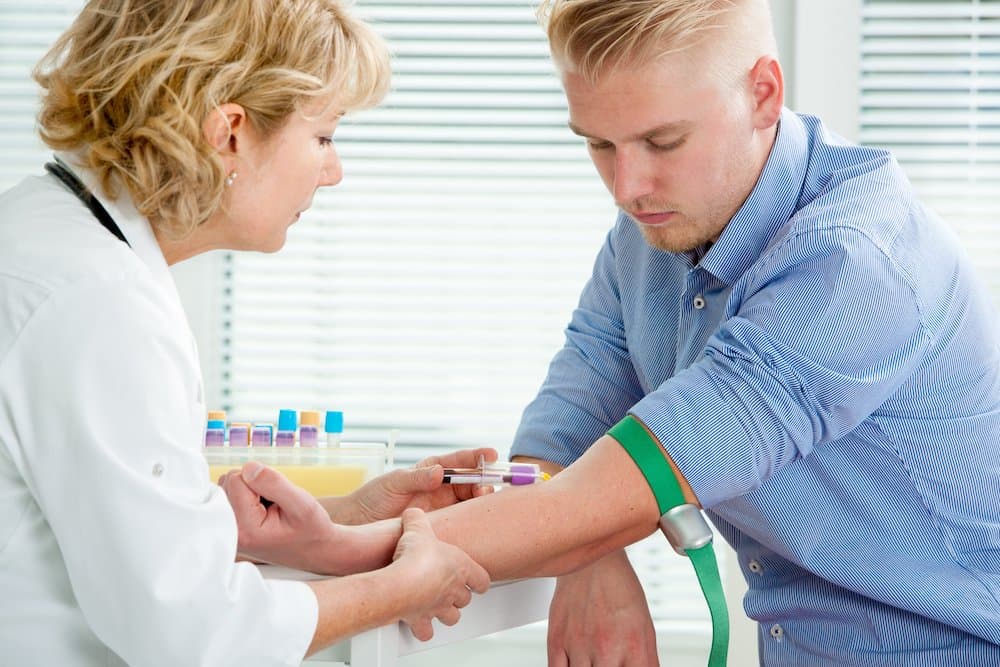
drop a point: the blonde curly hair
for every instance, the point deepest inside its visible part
(592, 37)
(130, 83)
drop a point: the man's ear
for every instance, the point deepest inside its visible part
(767, 88)
(224, 126)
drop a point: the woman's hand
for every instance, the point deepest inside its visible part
(439, 578)
(293, 529)
(387, 495)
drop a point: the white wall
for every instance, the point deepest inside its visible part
(826, 52)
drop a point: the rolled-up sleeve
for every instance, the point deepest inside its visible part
(591, 381)
(825, 329)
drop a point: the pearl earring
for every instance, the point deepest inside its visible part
(231, 178)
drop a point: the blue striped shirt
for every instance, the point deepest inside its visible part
(827, 378)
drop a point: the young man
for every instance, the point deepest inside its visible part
(806, 343)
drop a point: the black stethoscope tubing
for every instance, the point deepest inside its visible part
(74, 185)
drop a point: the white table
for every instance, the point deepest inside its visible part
(508, 604)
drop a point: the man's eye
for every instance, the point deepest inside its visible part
(666, 147)
(599, 145)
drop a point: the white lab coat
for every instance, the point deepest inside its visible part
(115, 547)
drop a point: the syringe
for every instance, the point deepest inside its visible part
(516, 474)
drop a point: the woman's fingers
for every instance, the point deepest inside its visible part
(449, 615)
(421, 628)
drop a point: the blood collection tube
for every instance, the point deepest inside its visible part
(261, 435)
(309, 428)
(215, 429)
(239, 434)
(287, 423)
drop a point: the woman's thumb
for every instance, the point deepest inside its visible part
(417, 480)
(270, 484)
(414, 518)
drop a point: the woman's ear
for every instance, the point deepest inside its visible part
(224, 126)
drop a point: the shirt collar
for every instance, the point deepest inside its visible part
(770, 205)
(133, 224)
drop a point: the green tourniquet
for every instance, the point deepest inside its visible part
(648, 455)
(707, 570)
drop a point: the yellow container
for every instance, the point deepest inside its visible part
(320, 471)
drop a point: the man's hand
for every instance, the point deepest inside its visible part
(439, 578)
(599, 617)
(293, 529)
(387, 495)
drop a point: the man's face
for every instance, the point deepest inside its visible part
(676, 148)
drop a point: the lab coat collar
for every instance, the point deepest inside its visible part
(134, 226)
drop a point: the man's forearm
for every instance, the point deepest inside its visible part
(599, 504)
(569, 561)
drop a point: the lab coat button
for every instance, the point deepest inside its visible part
(699, 302)
(157, 469)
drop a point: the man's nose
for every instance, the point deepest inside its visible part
(632, 178)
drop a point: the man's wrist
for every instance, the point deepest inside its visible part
(352, 549)
(612, 560)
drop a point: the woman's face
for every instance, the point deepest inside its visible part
(276, 179)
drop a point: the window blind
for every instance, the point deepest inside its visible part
(27, 30)
(428, 290)
(930, 92)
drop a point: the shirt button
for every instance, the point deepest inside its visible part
(777, 632)
(699, 302)
(755, 567)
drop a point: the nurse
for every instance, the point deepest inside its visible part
(179, 127)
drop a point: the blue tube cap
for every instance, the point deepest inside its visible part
(334, 422)
(287, 420)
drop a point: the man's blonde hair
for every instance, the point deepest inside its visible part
(130, 83)
(592, 37)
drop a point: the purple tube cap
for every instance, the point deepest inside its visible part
(522, 478)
